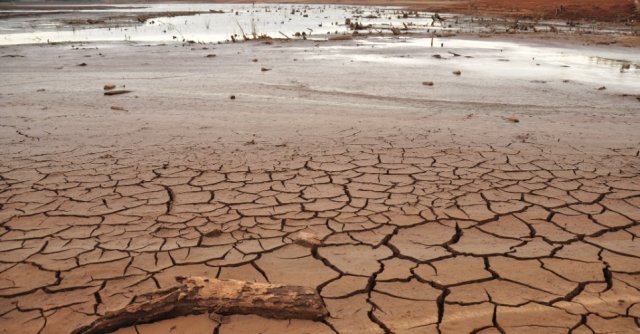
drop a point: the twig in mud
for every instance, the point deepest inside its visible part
(116, 92)
(242, 31)
(283, 34)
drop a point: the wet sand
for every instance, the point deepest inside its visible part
(502, 199)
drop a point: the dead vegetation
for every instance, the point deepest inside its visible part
(127, 18)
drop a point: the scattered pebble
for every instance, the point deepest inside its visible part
(233, 97)
(602, 88)
(307, 239)
(512, 119)
(210, 55)
(264, 69)
(213, 233)
(427, 83)
(40, 90)
(457, 72)
(118, 108)
(82, 64)
(109, 86)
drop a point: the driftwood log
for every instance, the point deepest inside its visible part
(197, 295)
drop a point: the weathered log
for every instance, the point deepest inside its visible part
(197, 295)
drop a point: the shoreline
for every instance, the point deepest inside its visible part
(590, 10)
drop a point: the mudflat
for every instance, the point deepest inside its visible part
(485, 184)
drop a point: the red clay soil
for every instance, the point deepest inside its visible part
(600, 10)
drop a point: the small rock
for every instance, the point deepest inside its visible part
(437, 56)
(41, 90)
(264, 69)
(82, 64)
(512, 119)
(307, 239)
(211, 55)
(118, 108)
(213, 233)
(457, 72)
(427, 83)
(109, 86)
(233, 97)
(255, 60)
(602, 88)
(251, 142)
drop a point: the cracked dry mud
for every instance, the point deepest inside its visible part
(414, 239)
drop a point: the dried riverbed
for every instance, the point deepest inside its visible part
(503, 197)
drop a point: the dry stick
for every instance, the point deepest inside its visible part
(283, 34)
(197, 295)
(242, 31)
(116, 92)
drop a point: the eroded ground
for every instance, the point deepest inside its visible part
(413, 239)
(434, 210)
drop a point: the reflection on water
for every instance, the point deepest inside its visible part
(623, 64)
(498, 60)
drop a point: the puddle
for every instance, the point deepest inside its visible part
(620, 63)
(500, 60)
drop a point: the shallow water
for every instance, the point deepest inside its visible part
(315, 21)
(531, 64)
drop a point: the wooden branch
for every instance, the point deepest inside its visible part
(196, 295)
